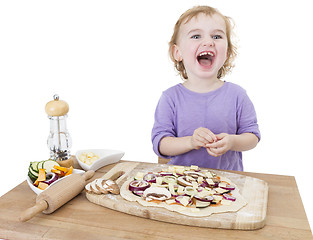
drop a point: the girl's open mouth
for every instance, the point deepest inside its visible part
(206, 58)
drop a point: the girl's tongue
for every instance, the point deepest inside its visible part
(205, 59)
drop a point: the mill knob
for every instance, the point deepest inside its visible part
(57, 107)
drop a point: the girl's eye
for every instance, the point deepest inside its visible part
(197, 36)
(217, 37)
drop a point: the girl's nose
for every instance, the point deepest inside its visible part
(208, 42)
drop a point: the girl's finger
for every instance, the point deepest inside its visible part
(210, 136)
(211, 152)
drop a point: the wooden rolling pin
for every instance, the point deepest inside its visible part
(57, 195)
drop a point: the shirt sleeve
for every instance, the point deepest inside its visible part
(163, 122)
(246, 117)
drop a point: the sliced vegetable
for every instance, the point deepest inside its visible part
(190, 191)
(157, 193)
(150, 177)
(32, 177)
(182, 181)
(70, 171)
(204, 184)
(42, 175)
(184, 200)
(60, 173)
(34, 166)
(204, 199)
(138, 185)
(202, 204)
(227, 187)
(35, 174)
(169, 179)
(39, 165)
(42, 185)
(194, 174)
(51, 178)
(166, 174)
(229, 197)
(49, 164)
(138, 193)
(63, 169)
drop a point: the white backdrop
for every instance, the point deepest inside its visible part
(109, 61)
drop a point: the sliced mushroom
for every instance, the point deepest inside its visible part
(102, 186)
(112, 187)
(93, 187)
(194, 174)
(157, 193)
(183, 181)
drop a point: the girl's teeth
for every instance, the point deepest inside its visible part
(206, 53)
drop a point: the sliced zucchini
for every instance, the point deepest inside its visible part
(48, 165)
(31, 176)
(202, 204)
(35, 174)
(34, 166)
(39, 165)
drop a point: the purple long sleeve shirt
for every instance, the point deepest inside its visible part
(225, 110)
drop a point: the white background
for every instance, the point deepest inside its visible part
(109, 61)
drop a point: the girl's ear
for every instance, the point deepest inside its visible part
(176, 53)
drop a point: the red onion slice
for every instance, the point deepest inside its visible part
(138, 185)
(165, 174)
(204, 184)
(227, 187)
(150, 177)
(51, 178)
(229, 197)
(179, 198)
(138, 193)
(205, 199)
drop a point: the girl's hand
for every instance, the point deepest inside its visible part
(222, 145)
(202, 136)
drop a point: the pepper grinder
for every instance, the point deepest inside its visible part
(59, 140)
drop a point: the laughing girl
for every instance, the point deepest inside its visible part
(204, 121)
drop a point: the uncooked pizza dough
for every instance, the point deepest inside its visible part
(223, 207)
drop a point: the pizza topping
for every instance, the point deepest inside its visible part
(226, 202)
(184, 200)
(139, 176)
(180, 190)
(217, 198)
(169, 179)
(202, 204)
(138, 185)
(157, 193)
(194, 174)
(166, 174)
(188, 186)
(150, 177)
(194, 167)
(204, 199)
(226, 186)
(138, 193)
(183, 181)
(229, 197)
(221, 190)
(190, 191)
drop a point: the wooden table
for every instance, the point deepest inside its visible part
(80, 219)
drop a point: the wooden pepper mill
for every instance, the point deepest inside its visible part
(59, 140)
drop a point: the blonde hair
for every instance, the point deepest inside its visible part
(186, 17)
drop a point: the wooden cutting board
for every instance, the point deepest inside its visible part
(250, 217)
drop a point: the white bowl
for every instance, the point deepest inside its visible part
(106, 157)
(37, 190)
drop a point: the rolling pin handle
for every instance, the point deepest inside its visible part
(89, 174)
(31, 212)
